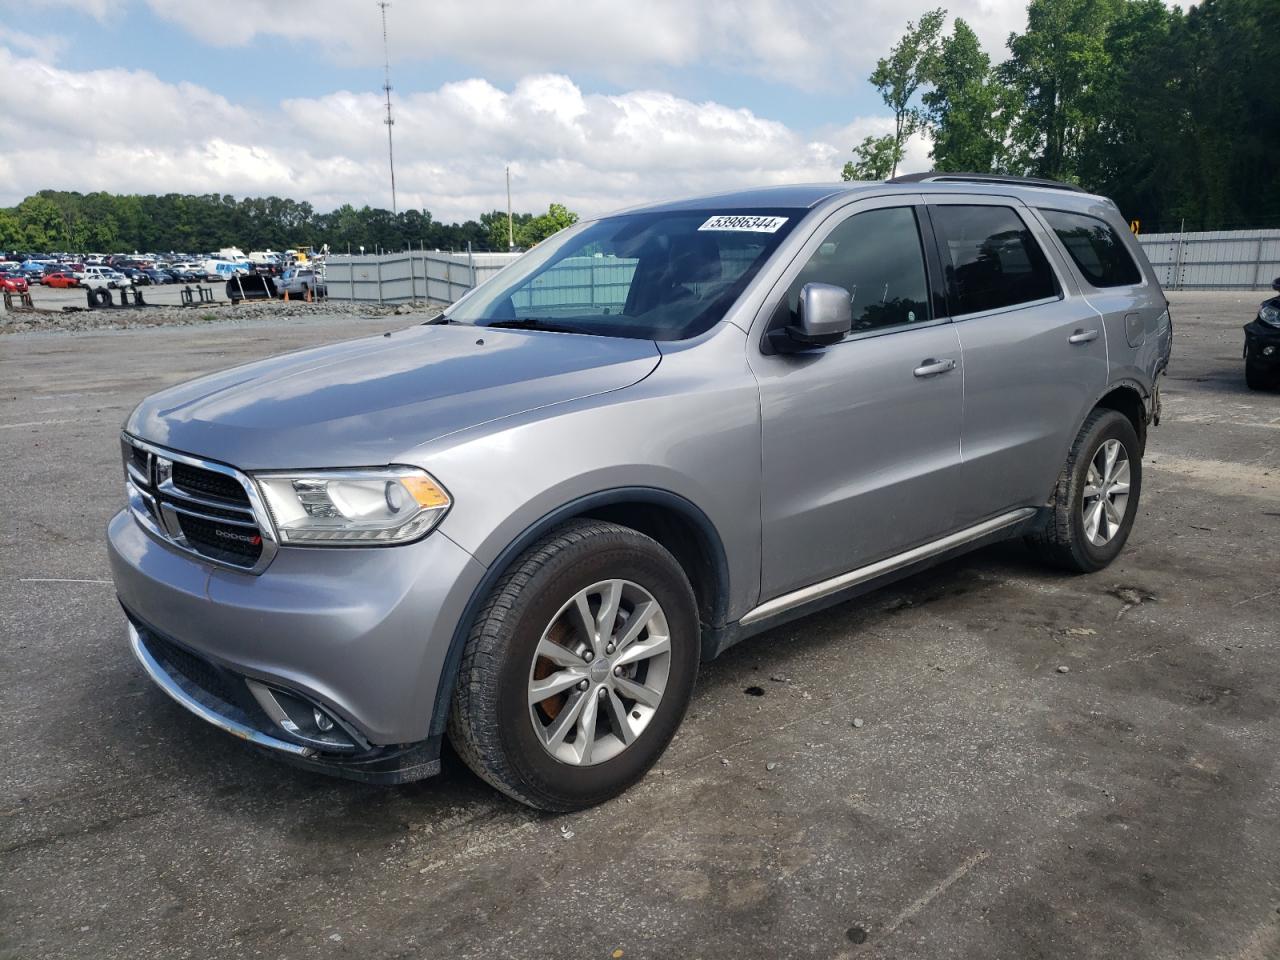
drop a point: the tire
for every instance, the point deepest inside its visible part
(1256, 378)
(504, 739)
(1064, 539)
(102, 297)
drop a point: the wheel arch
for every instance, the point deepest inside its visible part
(672, 520)
(1130, 400)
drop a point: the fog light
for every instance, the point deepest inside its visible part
(323, 723)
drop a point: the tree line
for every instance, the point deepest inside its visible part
(1173, 114)
(54, 220)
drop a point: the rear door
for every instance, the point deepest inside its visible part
(1035, 351)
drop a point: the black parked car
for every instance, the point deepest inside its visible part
(157, 276)
(1262, 345)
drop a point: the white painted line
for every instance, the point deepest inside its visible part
(34, 423)
(933, 892)
(57, 580)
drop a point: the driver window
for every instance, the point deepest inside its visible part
(878, 258)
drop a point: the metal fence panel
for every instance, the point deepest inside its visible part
(1215, 259)
(410, 275)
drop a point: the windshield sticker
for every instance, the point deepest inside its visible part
(744, 223)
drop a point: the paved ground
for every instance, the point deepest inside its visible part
(989, 807)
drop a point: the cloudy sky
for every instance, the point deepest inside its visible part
(595, 103)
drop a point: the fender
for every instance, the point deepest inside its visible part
(574, 508)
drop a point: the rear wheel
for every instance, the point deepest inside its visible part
(1096, 497)
(578, 669)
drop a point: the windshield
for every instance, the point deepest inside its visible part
(655, 276)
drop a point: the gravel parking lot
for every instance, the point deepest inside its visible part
(987, 805)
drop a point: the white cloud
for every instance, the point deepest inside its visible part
(594, 152)
(810, 44)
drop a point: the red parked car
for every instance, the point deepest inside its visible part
(13, 283)
(60, 280)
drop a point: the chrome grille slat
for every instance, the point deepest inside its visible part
(237, 534)
(251, 524)
(190, 501)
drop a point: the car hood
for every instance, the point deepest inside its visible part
(371, 401)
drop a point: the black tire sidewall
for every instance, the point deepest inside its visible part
(564, 785)
(1112, 426)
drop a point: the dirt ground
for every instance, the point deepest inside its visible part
(987, 806)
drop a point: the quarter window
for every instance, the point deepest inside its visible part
(1095, 247)
(991, 259)
(878, 258)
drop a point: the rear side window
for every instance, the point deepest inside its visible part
(1095, 247)
(991, 259)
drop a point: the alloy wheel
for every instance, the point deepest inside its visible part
(1105, 499)
(599, 672)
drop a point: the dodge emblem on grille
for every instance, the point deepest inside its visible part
(255, 539)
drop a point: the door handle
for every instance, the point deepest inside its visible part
(1083, 336)
(932, 367)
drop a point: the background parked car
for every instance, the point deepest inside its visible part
(13, 283)
(60, 278)
(105, 277)
(157, 276)
(298, 283)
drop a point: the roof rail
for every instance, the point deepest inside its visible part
(944, 176)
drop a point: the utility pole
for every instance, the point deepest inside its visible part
(386, 87)
(511, 236)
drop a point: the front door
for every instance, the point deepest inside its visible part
(861, 439)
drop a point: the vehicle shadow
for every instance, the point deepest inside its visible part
(240, 782)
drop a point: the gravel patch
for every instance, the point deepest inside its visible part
(73, 320)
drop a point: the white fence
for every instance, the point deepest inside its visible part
(1215, 259)
(412, 275)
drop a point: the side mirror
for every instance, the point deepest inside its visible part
(1275, 284)
(825, 317)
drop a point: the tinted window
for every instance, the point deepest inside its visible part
(991, 259)
(877, 257)
(1096, 249)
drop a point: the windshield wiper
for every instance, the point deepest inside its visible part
(441, 319)
(533, 323)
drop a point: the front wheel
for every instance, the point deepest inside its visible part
(578, 669)
(1096, 497)
(1256, 377)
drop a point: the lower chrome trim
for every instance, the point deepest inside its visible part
(826, 588)
(167, 684)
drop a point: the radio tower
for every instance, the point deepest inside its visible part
(386, 87)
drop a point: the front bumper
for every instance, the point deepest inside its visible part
(1259, 336)
(361, 633)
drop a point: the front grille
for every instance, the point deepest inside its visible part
(222, 541)
(199, 672)
(139, 458)
(203, 509)
(198, 481)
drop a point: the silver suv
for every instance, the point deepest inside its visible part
(525, 523)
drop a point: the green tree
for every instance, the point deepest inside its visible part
(963, 110)
(42, 224)
(10, 231)
(1054, 70)
(900, 75)
(873, 159)
(538, 228)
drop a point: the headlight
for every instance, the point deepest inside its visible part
(1269, 315)
(376, 506)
